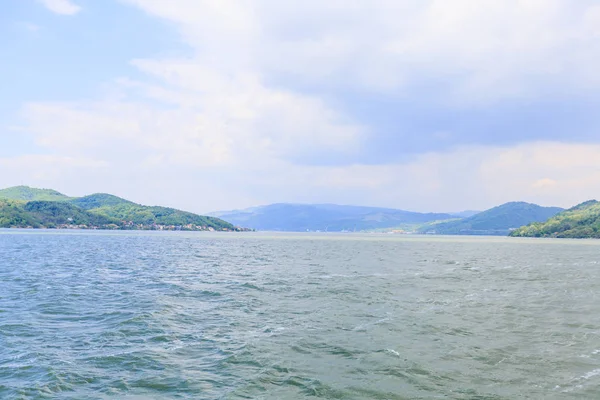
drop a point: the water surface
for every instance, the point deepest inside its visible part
(159, 315)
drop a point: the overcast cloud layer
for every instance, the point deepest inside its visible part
(421, 105)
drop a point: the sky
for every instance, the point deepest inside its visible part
(423, 105)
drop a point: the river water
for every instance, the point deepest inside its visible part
(173, 315)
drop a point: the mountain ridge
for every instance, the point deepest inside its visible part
(23, 206)
(26, 207)
(578, 222)
(499, 220)
(325, 217)
(27, 193)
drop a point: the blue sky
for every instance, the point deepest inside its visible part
(421, 105)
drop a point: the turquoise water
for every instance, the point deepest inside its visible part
(156, 315)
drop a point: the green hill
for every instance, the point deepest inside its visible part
(22, 207)
(495, 221)
(130, 212)
(581, 221)
(27, 193)
(98, 200)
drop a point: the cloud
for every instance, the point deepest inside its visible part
(63, 7)
(477, 177)
(227, 124)
(275, 103)
(472, 177)
(44, 170)
(472, 51)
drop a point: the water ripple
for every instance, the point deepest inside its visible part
(207, 316)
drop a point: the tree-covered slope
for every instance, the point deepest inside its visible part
(130, 212)
(495, 221)
(48, 214)
(53, 213)
(138, 214)
(98, 200)
(13, 214)
(27, 193)
(581, 221)
(21, 208)
(325, 217)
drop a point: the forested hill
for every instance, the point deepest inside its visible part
(581, 221)
(495, 221)
(25, 207)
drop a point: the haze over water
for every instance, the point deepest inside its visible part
(156, 315)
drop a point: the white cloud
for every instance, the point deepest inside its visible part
(474, 177)
(63, 7)
(227, 124)
(477, 51)
(228, 127)
(547, 173)
(43, 170)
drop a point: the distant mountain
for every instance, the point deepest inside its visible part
(581, 221)
(24, 207)
(27, 193)
(495, 221)
(324, 217)
(464, 214)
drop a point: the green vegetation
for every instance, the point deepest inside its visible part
(98, 200)
(51, 214)
(24, 207)
(12, 214)
(495, 221)
(581, 221)
(136, 214)
(30, 194)
(47, 214)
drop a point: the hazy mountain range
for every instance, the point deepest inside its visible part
(335, 218)
(23, 206)
(325, 217)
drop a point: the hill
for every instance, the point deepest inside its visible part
(325, 217)
(27, 193)
(125, 210)
(20, 208)
(98, 200)
(464, 214)
(495, 221)
(581, 221)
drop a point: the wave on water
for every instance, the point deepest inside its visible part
(183, 317)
